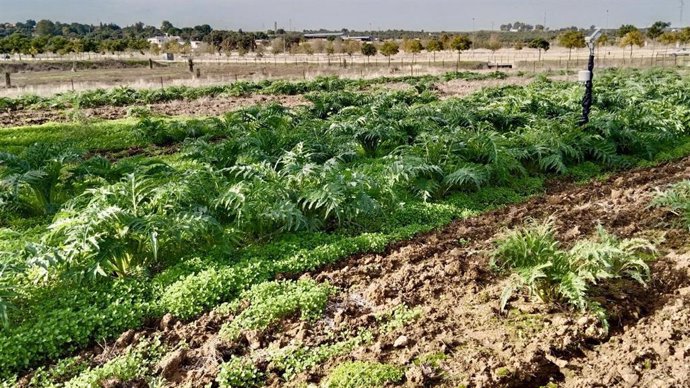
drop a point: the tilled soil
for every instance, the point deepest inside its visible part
(446, 276)
(462, 88)
(215, 106)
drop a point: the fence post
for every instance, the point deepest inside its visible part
(150, 63)
(8, 81)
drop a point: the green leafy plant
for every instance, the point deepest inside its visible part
(136, 363)
(239, 372)
(358, 374)
(6, 294)
(34, 176)
(676, 199)
(269, 302)
(551, 274)
(398, 317)
(121, 228)
(294, 359)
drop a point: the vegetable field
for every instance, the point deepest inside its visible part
(367, 237)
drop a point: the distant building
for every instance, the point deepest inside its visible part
(324, 35)
(334, 35)
(161, 40)
(362, 38)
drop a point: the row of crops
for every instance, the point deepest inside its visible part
(124, 96)
(93, 246)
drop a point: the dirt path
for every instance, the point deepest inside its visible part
(208, 106)
(445, 275)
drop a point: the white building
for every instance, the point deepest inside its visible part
(161, 40)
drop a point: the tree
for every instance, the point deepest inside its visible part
(657, 29)
(277, 46)
(18, 44)
(369, 50)
(352, 46)
(684, 35)
(307, 48)
(433, 46)
(603, 40)
(572, 40)
(167, 27)
(389, 49)
(45, 28)
(38, 45)
(625, 29)
(460, 43)
(57, 45)
(215, 39)
(414, 47)
(494, 44)
(539, 44)
(318, 46)
(330, 48)
(633, 38)
(669, 38)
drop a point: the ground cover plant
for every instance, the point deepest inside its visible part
(98, 245)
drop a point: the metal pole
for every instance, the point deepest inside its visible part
(587, 99)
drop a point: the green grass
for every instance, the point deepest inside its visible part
(103, 135)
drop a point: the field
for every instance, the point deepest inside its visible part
(454, 229)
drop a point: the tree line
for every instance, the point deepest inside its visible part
(46, 36)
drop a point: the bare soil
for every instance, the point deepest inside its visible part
(462, 88)
(208, 106)
(35, 66)
(446, 275)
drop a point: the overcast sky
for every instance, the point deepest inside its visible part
(430, 15)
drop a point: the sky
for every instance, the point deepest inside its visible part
(428, 15)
